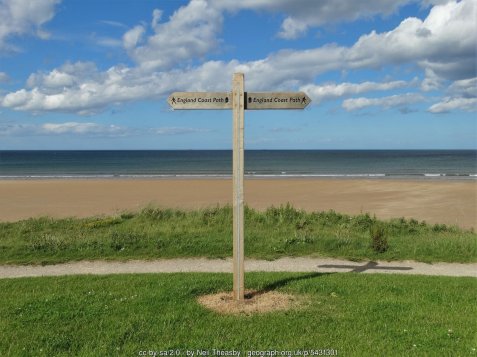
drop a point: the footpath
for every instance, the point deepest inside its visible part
(302, 264)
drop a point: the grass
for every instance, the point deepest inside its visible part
(278, 231)
(355, 314)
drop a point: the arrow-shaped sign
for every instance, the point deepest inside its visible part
(276, 100)
(200, 100)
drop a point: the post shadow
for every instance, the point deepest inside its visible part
(355, 269)
(283, 282)
(363, 268)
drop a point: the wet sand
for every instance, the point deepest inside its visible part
(435, 201)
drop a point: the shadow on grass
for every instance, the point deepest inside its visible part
(355, 269)
(281, 283)
(363, 268)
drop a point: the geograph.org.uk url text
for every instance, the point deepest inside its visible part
(236, 353)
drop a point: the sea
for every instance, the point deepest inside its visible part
(378, 164)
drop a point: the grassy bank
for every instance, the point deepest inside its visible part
(166, 233)
(352, 313)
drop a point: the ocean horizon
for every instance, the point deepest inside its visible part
(425, 164)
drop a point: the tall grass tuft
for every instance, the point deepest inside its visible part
(379, 241)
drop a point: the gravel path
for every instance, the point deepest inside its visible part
(324, 265)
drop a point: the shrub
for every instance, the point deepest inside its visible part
(379, 241)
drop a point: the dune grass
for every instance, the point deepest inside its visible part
(278, 231)
(353, 314)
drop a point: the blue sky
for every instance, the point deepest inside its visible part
(382, 74)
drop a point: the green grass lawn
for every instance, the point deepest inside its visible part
(355, 314)
(165, 233)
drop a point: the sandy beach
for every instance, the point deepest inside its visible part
(435, 201)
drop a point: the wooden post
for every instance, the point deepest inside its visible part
(238, 102)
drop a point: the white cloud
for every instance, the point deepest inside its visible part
(67, 75)
(54, 79)
(132, 37)
(448, 104)
(178, 131)
(448, 26)
(425, 43)
(303, 14)
(288, 69)
(156, 17)
(444, 42)
(434, 2)
(386, 102)
(465, 88)
(189, 33)
(114, 23)
(10, 129)
(20, 17)
(332, 11)
(431, 81)
(81, 128)
(329, 91)
(462, 96)
(82, 88)
(89, 129)
(413, 41)
(68, 128)
(4, 77)
(107, 41)
(292, 29)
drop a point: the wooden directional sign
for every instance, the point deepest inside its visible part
(239, 101)
(276, 100)
(253, 100)
(200, 100)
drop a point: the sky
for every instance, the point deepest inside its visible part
(382, 74)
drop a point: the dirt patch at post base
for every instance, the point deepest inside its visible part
(256, 302)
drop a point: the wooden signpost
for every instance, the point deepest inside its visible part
(238, 100)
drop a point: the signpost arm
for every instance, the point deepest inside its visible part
(238, 102)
